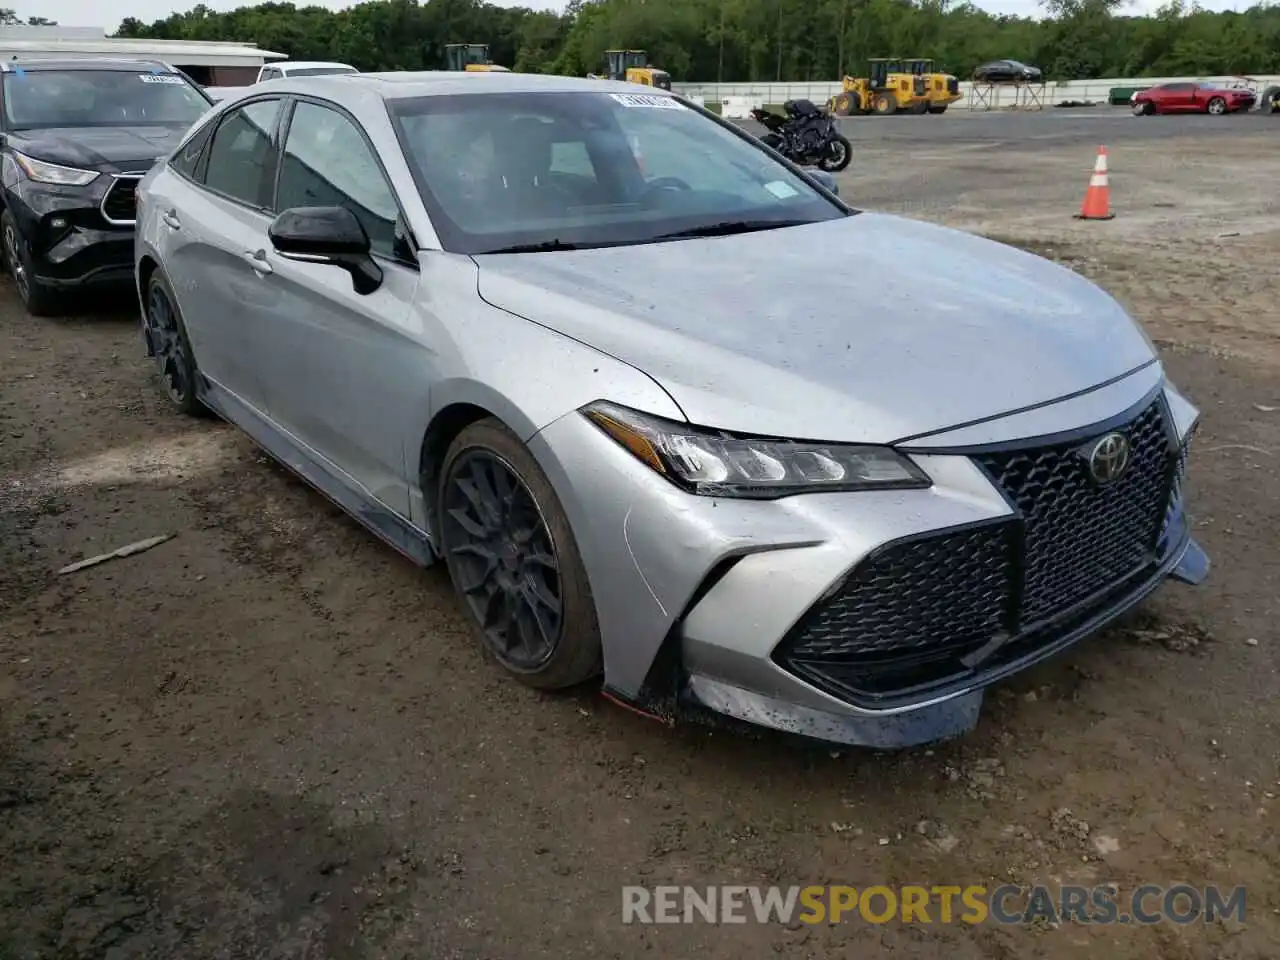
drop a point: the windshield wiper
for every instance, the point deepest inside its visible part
(724, 228)
(541, 246)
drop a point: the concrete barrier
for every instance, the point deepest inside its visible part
(758, 94)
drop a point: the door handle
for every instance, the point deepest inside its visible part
(258, 260)
(170, 219)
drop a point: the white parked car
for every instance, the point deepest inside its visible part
(302, 68)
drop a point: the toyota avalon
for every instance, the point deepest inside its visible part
(582, 342)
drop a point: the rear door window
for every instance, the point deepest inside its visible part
(242, 153)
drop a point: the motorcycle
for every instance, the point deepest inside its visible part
(806, 135)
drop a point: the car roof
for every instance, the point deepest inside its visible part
(404, 85)
(308, 64)
(124, 65)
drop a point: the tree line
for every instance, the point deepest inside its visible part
(754, 40)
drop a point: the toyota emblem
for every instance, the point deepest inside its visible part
(1109, 458)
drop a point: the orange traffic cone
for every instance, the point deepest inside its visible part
(1097, 199)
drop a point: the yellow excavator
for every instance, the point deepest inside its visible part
(471, 57)
(633, 66)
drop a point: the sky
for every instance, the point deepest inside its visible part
(90, 13)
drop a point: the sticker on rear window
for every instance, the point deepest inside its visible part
(781, 190)
(160, 78)
(647, 100)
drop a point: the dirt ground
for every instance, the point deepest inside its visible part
(270, 737)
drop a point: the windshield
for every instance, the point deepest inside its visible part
(499, 170)
(317, 71)
(35, 99)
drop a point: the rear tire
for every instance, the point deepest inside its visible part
(937, 110)
(1216, 106)
(166, 336)
(514, 561)
(39, 299)
(918, 109)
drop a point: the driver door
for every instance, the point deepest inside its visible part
(1181, 97)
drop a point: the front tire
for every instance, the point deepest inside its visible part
(514, 561)
(885, 105)
(839, 152)
(845, 104)
(39, 299)
(1143, 109)
(937, 110)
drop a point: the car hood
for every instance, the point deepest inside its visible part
(100, 148)
(870, 328)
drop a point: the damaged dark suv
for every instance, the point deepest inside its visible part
(76, 136)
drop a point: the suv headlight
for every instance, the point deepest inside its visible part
(715, 464)
(42, 171)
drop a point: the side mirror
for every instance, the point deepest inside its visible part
(329, 235)
(825, 180)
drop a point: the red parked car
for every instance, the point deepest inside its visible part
(1191, 98)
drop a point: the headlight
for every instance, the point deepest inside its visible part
(715, 464)
(42, 172)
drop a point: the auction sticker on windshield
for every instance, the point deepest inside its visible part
(647, 100)
(160, 78)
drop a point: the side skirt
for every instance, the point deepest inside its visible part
(317, 472)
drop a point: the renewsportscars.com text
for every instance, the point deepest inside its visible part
(973, 904)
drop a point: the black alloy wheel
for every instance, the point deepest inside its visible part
(167, 340)
(509, 575)
(513, 560)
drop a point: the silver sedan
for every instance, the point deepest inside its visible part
(675, 417)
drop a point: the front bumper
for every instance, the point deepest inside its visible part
(849, 617)
(71, 240)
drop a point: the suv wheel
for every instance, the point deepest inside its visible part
(39, 299)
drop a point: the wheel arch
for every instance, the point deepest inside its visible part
(144, 270)
(458, 404)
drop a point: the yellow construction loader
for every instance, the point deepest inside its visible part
(471, 57)
(885, 90)
(633, 66)
(940, 89)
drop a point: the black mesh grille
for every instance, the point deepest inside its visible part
(1081, 537)
(1179, 478)
(120, 202)
(909, 615)
(953, 85)
(919, 595)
